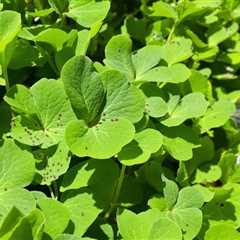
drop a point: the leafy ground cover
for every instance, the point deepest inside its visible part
(119, 120)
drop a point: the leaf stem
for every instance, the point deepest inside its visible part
(51, 192)
(117, 192)
(171, 32)
(55, 187)
(5, 75)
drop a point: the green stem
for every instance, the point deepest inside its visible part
(5, 75)
(117, 192)
(55, 187)
(171, 32)
(51, 192)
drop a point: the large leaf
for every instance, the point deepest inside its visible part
(87, 174)
(88, 13)
(83, 86)
(82, 210)
(10, 22)
(85, 141)
(16, 197)
(56, 214)
(51, 108)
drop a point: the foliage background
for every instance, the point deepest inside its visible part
(119, 119)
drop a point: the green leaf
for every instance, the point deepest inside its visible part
(83, 211)
(176, 73)
(199, 82)
(17, 166)
(222, 230)
(189, 220)
(92, 142)
(52, 162)
(83, 87)
(57, 216)
(165, 228)
(180, 142)
(89, 13)
(52, 36)
(156, 226)
(52, 111)
(189, 197)
(58, 5)
(71, 237)
(123, 100)
(193, 105)
(41, 13)
(177, 50)
(24, 48)
(10, 222)
(170, 192)
(208, 174)
(145, 59)
(140, 149)
(10, 22)
(162, 9)
(87, 174)
(217, 115)
(118, 55)
(16, 197)
(222, 34)
(30, 227)
(130, 224)
(20, 99)
(156, 107)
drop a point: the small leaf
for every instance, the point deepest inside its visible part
(118, 55)
(170, 191)
(145, 59)
(217, 115)
(176, 73)
(156, 107)
(193, 105)
(189, 197)
(123, 100)
(180, 142)
(178, 50)
(140, 149)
